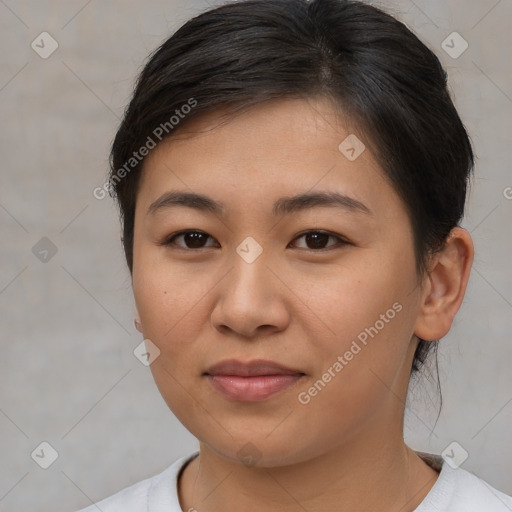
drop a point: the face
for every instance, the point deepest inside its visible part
(310, 301)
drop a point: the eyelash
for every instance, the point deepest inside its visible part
(169, 241)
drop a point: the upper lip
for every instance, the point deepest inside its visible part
(252, 368)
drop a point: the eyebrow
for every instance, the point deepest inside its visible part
(282, 206)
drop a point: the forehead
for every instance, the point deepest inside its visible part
(277, 148)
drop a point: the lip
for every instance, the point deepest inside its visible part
(252, 381)
(254, 368)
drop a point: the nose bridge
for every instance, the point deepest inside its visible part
(249, 277)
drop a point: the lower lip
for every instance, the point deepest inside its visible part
(252, 389)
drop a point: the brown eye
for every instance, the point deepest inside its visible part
(190, 240)
(318, 240)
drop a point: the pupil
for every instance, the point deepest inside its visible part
(316, 242)
(194, 239)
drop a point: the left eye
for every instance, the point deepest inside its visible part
(319, 240)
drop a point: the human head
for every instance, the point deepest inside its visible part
(377, 72)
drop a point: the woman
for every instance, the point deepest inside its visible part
(291, 176)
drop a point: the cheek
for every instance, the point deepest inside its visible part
(357, 299)
(169, 305)
(370, 311)
(167, 297)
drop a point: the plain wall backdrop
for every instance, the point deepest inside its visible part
(68, 375)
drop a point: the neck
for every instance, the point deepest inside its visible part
(362, 475)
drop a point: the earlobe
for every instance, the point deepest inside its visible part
(445, 286)
(137, 323)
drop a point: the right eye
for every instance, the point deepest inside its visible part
(191, 239)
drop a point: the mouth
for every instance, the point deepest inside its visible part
(253, 381)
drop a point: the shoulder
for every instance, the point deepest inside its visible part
(459, 490)
(473, 493)
(155, 494)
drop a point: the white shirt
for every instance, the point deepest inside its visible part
(455, 490)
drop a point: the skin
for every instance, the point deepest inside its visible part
(296, 304)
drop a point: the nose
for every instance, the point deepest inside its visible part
(251, 300)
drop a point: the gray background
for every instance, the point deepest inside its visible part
(68, 375)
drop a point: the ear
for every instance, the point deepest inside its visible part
(444, 286)
(137, 323)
